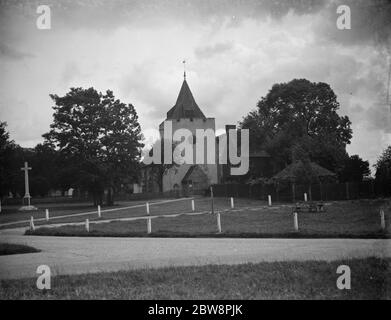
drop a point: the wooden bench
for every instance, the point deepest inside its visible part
(309, 207)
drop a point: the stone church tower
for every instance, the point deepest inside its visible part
(186, 114)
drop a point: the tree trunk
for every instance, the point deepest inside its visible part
(110, 197)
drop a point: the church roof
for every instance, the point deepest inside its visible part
(185, 106)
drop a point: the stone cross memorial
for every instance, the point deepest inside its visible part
(26, 169)
(27, 196)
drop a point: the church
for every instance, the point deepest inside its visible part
(187, 179)
(186, 114)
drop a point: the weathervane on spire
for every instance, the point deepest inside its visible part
(184, 69)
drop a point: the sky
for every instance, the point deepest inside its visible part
(235, 50)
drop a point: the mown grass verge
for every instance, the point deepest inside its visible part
(370, 279)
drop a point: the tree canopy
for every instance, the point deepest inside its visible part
(98, 138)
(300, 113)
(383, 170)
(355, 169)
(7, 163)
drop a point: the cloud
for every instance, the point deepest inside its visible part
(370, 24)
(27, 124)
(205, 52)
(8, 52)
(71, 71)
(236, 50)
(110, 14)
(378, 117)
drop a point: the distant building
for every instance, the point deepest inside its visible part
(260, 163)
(188, 179)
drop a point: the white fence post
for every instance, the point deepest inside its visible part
(269, 197)
(32, 227)
(232, 203)
(218, 222)
(99, 213)
(192, 205)
(305, 196)
(147, 206)
(382, 220)
(87, 225)
(295, 221)
(149, 225)
(47, 214)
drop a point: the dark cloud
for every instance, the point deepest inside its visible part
(268, 42)
(113, 13)
(8, 52)
(370, 24)
(371, 20)
(205, 52)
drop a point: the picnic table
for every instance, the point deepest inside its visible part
(309, 206)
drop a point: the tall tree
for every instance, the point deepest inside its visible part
(42, 178)
(46, 164)
(300, 112)
(7, 153)
(98, 137)
(355, 169)
(383, 171)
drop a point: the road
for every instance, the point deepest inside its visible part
(74, 255)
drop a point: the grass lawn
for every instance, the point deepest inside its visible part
(12, 214)
(10, 248)
(344, 219)
(370, 279)
(70, 212)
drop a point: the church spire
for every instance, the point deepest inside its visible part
(185, 106)
(184, 69)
